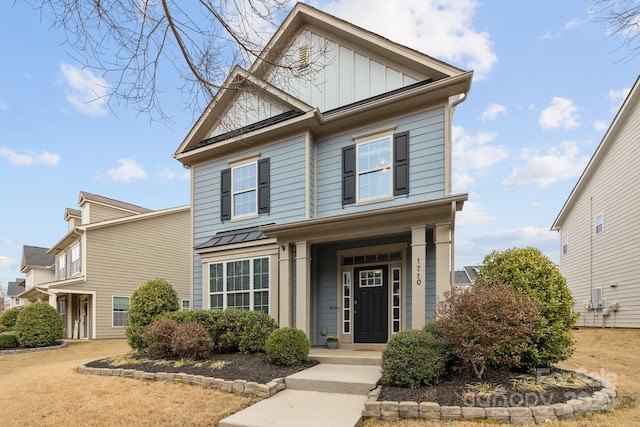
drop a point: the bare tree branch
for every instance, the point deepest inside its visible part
(623, 18)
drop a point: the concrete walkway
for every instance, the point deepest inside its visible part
(328, 394)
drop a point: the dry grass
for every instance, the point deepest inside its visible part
(44, 389)
(610, 353)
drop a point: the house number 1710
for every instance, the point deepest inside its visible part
(418, 281)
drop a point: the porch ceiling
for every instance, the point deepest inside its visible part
(378, 222)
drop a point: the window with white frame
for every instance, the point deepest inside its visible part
(242, 284)
(396, 300)
(186, 304)
(120, 309)
(346, 302)
(374, 168)
(599, 223)
(18, 301)
(565, 243)
(244, 189)
(76, 260)
(62, 267)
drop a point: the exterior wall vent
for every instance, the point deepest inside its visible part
(303, 57)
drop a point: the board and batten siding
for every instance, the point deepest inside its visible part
(608, 260)
(248, 108)
(426, 163)
(337, 75)
(98, 213)
(287, 194)
(121, 257)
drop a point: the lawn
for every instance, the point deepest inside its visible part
(44, 389)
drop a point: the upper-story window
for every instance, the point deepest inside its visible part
(599, 223)
(76, 259)
(245, 190)
(376, 167)
(565, 243)
(62, 267)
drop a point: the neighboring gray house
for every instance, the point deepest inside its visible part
(467, 276)
(14, 289)
(321, 186)
(599, 226)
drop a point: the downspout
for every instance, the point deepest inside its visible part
(593, 309)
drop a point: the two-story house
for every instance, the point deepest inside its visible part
(14, 289)
(109, 250)
(321, 183)
(599, 226)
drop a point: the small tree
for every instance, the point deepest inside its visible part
(149, 301)
(39, 325)
(531, 272)
(487, 324)
(9, 317)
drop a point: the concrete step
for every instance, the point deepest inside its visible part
(346, 357)
(330, 378)
(295, 408)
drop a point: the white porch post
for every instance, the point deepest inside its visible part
(303, 287)
(418, 270)
(53, 301)
(443, 258)
(285, 314)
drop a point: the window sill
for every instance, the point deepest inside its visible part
(374, 200)
(244, 217)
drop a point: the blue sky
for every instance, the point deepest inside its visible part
(547, 84)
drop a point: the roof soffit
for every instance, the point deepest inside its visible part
(631, 103)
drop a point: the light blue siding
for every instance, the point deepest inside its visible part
(287, 161)
(426, 163)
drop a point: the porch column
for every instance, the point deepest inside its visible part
(285, 315)
(303, 287)
(443, 258)
(418, 270)
(53, 301)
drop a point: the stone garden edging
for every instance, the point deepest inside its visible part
(31, 349)
(388, 410)
(242, 387)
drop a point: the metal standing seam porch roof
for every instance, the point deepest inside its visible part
(230, 237)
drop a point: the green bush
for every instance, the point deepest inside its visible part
(3, 328)
(191, 340)
(9, 340)
(38, 325)
(534, 274)
(287, 346)
(157, 337)
(413, 358)
(489, 323)
(9, 317)
(150, 300)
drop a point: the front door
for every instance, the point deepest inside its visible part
(371, 304)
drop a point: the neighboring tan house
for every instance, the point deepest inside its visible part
(110, 249)
(37, 266)
(599, 226)
(13, 290)
(321, 187)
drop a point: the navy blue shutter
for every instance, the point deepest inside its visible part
(264, 198)
(348, 175)
(401, 163)
(225, 195)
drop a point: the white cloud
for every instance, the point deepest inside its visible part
(561, 113)
(573, 24)
(6, 262)
(473, 213)
(473, 151)
(600, 125)
(31, 158)
(127, 171)
(618, 96)
(492, 111)
(88, 92)
(462, 180)
(168, 174)
(6, 240)
(541, 170)
(442, 29)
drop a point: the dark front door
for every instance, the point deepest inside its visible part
(371, 305)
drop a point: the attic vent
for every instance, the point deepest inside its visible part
(303, 57)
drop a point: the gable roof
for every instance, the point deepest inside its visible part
(35, 256)
(89, 197)
(630, 103)
(72, 213)
(15, 288)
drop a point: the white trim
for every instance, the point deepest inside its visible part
(225, 291)
(368, 138)
(113, 297)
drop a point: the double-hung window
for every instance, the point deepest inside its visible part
(599, 223)
(245, 190)
(76, 260)
(565, 243)
(242, 284)
(244, 187)
(120, 309)
(62, 267)
(374, 169)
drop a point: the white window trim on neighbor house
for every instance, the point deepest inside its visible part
(185, 305)
(565, 243)
(382, 166)
(599, 224)
(223, 293)
(119, 311)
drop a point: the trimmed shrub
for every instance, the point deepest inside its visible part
(537, 276)
(8, 340)
(413, 358)
(157, 337)
(191, 340)
(9, 317)
(3, 328)
(150, 300)
(38, 325)
(489, 323)
(287, 346)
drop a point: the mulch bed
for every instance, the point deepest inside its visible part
(235, 366)
(453, 390)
